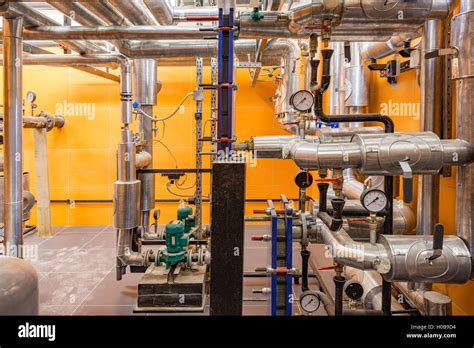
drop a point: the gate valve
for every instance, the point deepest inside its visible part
(438, 236)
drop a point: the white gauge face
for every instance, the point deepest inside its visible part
(310, 301)
(302, 100)
(385, 5)
(30, 97)
(374, 201)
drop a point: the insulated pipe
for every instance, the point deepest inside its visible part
(375, 154)
(137, 32)
(34, 18)
(378, 50)
(145, 93)
(430, 121)
(134, 11)
(126, 92)
(161, 10)
(106, 12)
(462, 37)
(337, 97)
(77, 12)
(371, 282)
(13, 123)
(429, 303)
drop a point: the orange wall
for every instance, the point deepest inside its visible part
(82, 155)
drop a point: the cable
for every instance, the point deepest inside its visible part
(168, 184)
(156, 119)
(169, 151)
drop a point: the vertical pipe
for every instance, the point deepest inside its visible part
(431, 109)
(338, 72)
(462, 37)
(12, 96)
(145, 82)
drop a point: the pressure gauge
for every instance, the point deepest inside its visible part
(374, 200)
(310, 301)
(30, 97)
(302, 100)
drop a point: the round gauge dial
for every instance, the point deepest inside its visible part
(31, 97)
(302, 100)
(385, 5)
(374, 200)
(310, 301)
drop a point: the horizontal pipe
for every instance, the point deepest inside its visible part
(137, 32)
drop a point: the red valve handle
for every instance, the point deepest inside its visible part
(281, 270)
(327, 268)
(358, 220)
(337, 180)
(257, 238)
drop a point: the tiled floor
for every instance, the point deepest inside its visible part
(77, 273)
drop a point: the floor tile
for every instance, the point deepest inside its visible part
(68, 288)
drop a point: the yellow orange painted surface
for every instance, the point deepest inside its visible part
(82, 155)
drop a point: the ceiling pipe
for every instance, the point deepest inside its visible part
(161, 10)
(135, 11)
(106, 12)
(34, 18)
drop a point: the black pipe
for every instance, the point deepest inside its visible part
(70, 201)
(386, 297)
(339, 282)
(305, 254)
(326, 73)
(323, 196)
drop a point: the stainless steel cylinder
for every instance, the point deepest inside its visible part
(436, 303)
(145, 81)
(312, 156)
(19, 294)
(409, 255)
(126, 204)
(126, 91)
(424, 152)
(358, 75)
(13, 126)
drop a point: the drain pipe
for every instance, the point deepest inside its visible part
(13, 125)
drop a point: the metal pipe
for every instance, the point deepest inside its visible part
(13, 122)
(378, 50)
(430, 121)
(34, 18)
(161, 10)
(337, 95)
(135, 11)
(426, 153)
(137, 32)
(106, 12)
(463, 73)
(145, 92)
(371, 282)
(428, 303)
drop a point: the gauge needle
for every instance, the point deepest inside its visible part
(375, 200)
(302, 101)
